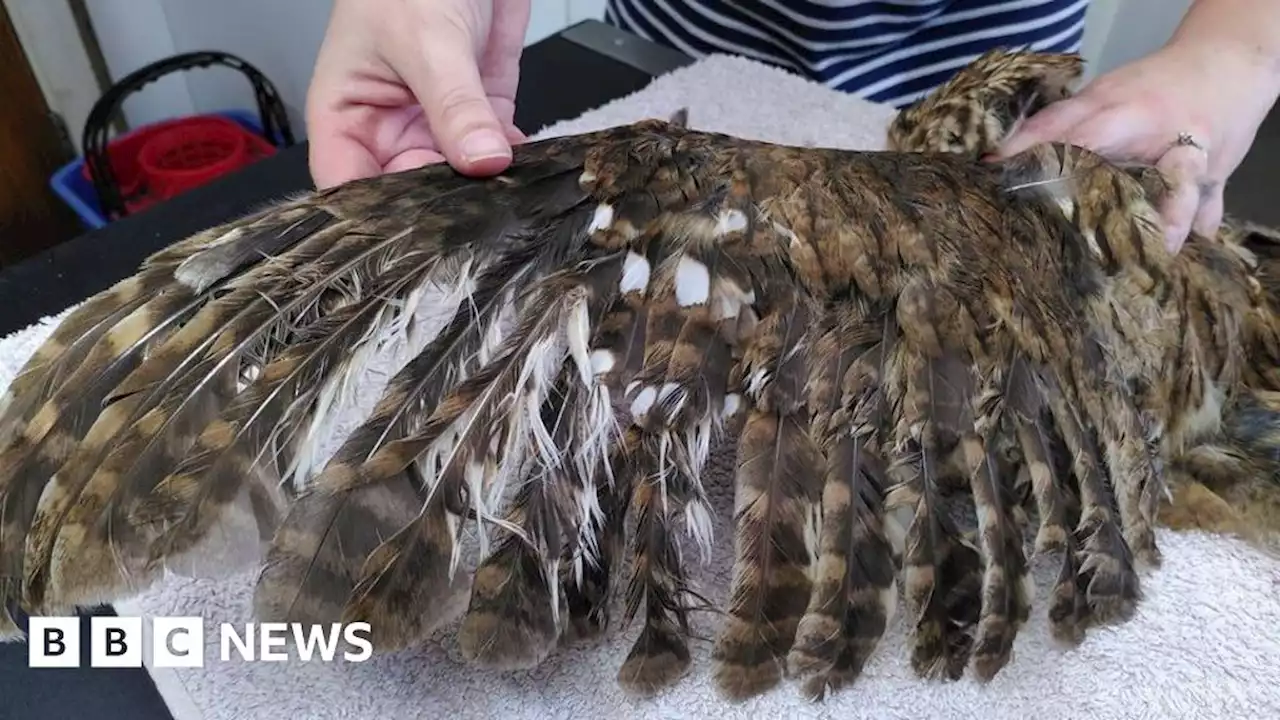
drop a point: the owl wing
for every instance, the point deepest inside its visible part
(584, 328)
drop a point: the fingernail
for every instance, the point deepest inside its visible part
(484, 145)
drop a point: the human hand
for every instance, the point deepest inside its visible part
(402, 83)
(1216, 94)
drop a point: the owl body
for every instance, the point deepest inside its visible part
(875, 332)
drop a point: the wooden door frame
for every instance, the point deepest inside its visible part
(62, 65)
(32, 218)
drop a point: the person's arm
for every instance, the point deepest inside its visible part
(1211, 85)
(1252, 24)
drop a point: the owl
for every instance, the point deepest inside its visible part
(876, 334)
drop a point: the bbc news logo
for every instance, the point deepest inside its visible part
(179, 642)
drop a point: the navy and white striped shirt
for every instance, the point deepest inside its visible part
(890, 51)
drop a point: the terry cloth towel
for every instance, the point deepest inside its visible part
(1204, 644)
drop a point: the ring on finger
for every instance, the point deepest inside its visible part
(1186, 139)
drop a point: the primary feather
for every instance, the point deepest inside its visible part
(881, 334)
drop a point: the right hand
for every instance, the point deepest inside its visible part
(399, 84)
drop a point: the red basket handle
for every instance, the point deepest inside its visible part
(275, 121)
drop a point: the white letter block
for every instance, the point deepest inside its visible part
(115, 642)
(177, 642)
(53, 642)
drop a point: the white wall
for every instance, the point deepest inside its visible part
(134, 33)
(1098, 23)
(279, 37)
(1121, 31)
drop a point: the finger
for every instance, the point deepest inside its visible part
(505, 110)
(1183, 165)
(335, 158)
(412, 159)
(447, 83)
(1051, 123)
(1209, 217)
(1117, 133)
(335, 155)
(500, 64)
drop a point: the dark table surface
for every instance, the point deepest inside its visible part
(604, 63)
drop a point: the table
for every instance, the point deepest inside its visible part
(605, 63)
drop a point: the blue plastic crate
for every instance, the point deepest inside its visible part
(77, 192)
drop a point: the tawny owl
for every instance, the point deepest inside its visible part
(877, 331)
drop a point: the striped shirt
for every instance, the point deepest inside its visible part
(889, 51)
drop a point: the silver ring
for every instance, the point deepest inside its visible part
(1187, 139)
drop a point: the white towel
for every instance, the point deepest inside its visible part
(1205, 642)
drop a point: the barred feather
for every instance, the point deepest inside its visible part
(1105, 564)
(854, 594)
(658, 582)
(590, 565)
(518, 607)
(282, 405)
(185, 384)
(109, 376)
(778, 489)
(1006, 580)
(477, 419)
(239, 244)
(590, 570)
(676, 402)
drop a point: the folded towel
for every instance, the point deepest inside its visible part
(1205, 642)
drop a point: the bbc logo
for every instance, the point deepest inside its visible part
(115, 642)
(179, 642)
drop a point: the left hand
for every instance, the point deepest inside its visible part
(1217, 95)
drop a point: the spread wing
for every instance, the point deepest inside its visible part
(870, 329)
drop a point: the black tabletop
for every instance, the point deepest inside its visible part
(604, 63)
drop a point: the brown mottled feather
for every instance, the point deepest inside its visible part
(101, 379)
(1006, 596)
(778, 489)
(854, 594)
(931, 389)
(657, 583)
(397, 590)
(183, 385)
(981, 104)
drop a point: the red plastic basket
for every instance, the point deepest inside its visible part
(159, 161)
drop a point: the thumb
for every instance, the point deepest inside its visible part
(446, 81)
